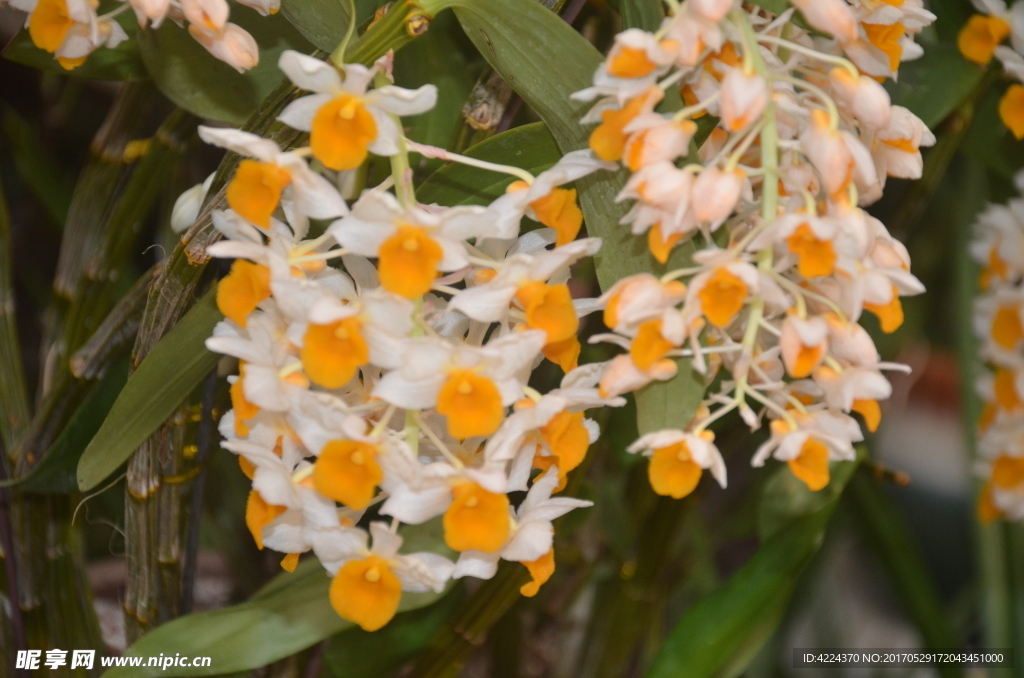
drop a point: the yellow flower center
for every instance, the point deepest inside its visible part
(70, 64)
(815, 257)
(366, 592)
(342, 130)
(672, 471)
(1008, 472)
(564, 353)
(49, 24)
(608, 139)
(980, 36)
(540, 570)
(871, 412)
(660, 245)
(887, 38)
(476, 520)
(1005, 387)
(806, 360)
(242, 290)
(549, 308)
(722, 297)
(255, 190)
(649, 346)
(244, 410)
(630, 62)
(1011, 110)
(568, 440)
(890, 316)
(332, 353)
(408, 262)
(1006, 327)
(558, 210)
(472, 404)
(347, 471)
(811, 466)
(259, 514)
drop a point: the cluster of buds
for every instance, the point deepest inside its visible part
(384, 366)
(981, 39)
(805, 136)
(397, 381)
(73, 29)
(999, 325)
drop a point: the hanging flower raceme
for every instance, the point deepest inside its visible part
(981, 39)
(787, 261)
(998, 247)
(71, 29)
(386, 360)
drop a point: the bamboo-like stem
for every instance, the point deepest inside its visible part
(206, 435)
(14, 405)
(112, 250)
(454, 644)
(15, 625)
(631, 612)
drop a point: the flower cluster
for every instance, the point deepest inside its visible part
(399, 379)
(73, 29)
(998, 247)
(804, 135)
(386, 363)
(980, 39)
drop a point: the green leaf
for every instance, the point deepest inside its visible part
(435, 58)
(784, 497)
(193, 79)
(323, 22)
(356, 653)
(56, 472)
(643, 14)
(120, 63)
(672, 403)
(721, 633)
(893, 542)
(530, 147)
(288, 615)
(169, 373)
(932, 86)
(522, 41)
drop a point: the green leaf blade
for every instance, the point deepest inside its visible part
(164, 379)
(194, 80)
(721, 633)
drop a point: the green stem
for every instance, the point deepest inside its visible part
(403, 22)
(769, 183)
(453, 645)
(895, 545)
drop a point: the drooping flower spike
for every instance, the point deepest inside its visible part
(386, 362)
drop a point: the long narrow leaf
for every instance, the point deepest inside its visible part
(721, 633)
(290, 614)
(168, 374)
